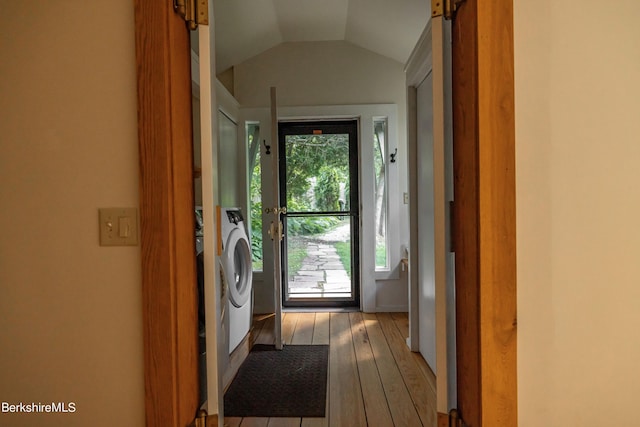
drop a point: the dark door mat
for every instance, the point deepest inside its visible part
(291, 382)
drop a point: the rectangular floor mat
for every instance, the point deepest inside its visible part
(291, 382)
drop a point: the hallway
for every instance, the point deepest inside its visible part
(374, 380)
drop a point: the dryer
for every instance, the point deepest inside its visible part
(238, 272)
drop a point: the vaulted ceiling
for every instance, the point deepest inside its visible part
(245, 28)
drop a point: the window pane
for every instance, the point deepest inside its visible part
(255, 194)
(380, 189)
(317, 172)
(319, 256)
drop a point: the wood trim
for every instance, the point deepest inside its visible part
(484, 158)
(166, 215)
(497, 193)
(465, 214)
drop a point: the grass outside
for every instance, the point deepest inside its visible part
(344, 252)
(296, 253)
(381, 255)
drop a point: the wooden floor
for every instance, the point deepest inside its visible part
(374, 380)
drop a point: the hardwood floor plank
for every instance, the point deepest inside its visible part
(254, 422)
(346, 407)
(426, 372)
(443, 420)
(256, 328)
(402, 323)
(304, 329)
(289, 321)
(284, 422)
(231, 421)
(321, 328)
(320, 336)
(315, 422)
(415, 381)
(400, 403)
(267, 333)
(375, 401)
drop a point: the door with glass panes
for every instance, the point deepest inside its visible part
(319, 189)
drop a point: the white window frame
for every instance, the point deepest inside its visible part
(387, 168)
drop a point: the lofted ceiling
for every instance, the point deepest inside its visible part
(245, 28)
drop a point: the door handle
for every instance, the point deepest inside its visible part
(272, 231)
(280, 231)
(276, 211)
(276, 231)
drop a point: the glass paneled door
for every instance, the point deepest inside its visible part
(319, 188)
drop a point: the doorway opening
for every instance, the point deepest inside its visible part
(319, 189)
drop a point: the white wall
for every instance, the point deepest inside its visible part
(335, 73)
(231, 178)
(70, 310)
(578, 168)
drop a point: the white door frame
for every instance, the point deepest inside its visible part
(428, 58)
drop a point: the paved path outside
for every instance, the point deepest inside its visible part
(322, 271)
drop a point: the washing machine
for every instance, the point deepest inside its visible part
(237, 270)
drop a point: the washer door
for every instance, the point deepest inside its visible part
(237, 267)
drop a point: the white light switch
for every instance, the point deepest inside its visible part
(118, 226)
(406, 198)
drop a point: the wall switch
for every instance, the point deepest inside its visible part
(406, 198)
(118, 226)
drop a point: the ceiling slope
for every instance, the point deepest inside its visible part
(245, 28)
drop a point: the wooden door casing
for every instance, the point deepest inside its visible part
(166, 215)
(484, 213)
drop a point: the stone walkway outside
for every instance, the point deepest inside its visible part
(322, 272)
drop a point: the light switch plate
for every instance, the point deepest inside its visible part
(118, 226)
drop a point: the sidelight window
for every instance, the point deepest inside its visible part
(255, 194)
(381, 180)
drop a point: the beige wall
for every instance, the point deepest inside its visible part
(319, 73)
(578, 171)
(70, 311)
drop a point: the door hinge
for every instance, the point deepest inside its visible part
(194, 12)
(446, 8)
(455, 420)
